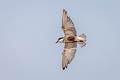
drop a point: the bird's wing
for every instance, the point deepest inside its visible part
(68, 54)
(67, 25)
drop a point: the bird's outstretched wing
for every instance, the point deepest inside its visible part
(70, 47)
(67, 25)
(68, 54)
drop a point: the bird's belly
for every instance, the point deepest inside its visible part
(70, 39)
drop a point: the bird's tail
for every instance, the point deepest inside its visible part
(84, 41)
(83, 36)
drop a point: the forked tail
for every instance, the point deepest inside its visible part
(83, 43)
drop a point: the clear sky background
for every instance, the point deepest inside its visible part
(30, 28)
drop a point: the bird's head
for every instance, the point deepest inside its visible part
(60, 40)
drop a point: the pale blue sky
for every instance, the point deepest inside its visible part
(30, 28)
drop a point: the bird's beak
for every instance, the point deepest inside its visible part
(56, 42)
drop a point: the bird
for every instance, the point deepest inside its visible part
(70, 40)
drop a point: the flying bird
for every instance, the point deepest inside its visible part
(70, 40)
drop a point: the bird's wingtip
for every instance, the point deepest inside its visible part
(64, 10)
(63, 68)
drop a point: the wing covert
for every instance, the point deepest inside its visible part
(67, 25)
(68, 54)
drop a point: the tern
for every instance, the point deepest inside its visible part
(70, 40)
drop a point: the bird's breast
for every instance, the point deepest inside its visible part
(71, 38)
